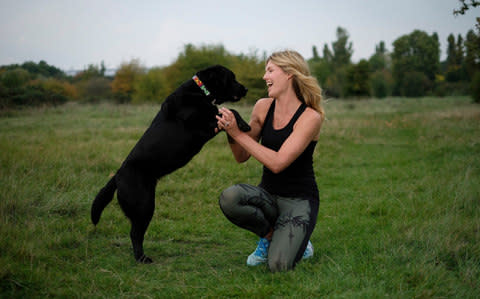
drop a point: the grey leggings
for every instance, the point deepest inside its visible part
(292, 221)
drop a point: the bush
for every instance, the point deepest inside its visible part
(444, 88)
(475, 87)
(15, 78)
(335, 84)
(150, 87)
(414, 84)
(378, 85)
(123, 86)
(30, 95)
(381, 83)
(249, 71)
(358, 81)
(94, 89)
(55, 86)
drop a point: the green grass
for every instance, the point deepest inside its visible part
(399, 214)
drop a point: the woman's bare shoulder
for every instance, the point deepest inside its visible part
(261, 107)
(312, 114)
(263, 103)
(310, 119)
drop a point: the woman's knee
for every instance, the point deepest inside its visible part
(230, 198)
(280, 264)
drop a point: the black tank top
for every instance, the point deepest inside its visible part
(298, 179)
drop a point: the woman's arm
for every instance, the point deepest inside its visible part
(305, 130)
(256, 123)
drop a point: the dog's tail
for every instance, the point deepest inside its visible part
(103, 198)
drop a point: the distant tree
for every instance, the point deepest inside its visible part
(156, 84)
(192, 59)
(464, 7)
(92, 84)
(416, 84)
(123, 85)
(331, 69)
(92, 71)
(335, 85)
(454, 66)
(95, 89)
(341, 52)
(379, 60)
(358, 79)
(472, 53)
(249, 70)
(103, 69)
(342, 48)
(475, 87)
(451, 50)
(327, 54)
(381, 83)
(381, 78)
(380, 49)
(315, 53)
(460, 50)
(414, 54)
(321, 70)
(151, 87)
(43, 69)
(31, 84)
(15, 78)
(55, 86)
(320, 67)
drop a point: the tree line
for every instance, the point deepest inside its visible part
(412, 69)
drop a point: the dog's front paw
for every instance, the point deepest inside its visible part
(242, 124)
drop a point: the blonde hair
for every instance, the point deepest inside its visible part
(305, 85)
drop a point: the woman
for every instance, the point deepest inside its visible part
(283, 209)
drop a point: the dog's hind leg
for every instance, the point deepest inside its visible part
(137, 234)
(137, 199)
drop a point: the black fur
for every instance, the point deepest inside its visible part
(185, 122)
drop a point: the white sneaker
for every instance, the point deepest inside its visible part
(308, 251)
(260, 255)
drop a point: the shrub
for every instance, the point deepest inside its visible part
(335, 84)
(475, 87)
(94, 89)
(378, 85)
(32, 94)
(14, 78)
(55, 86)
(414, 84)
(358, 81)
(150, 87)
(123, 85)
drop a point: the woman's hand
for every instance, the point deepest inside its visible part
(227, 122)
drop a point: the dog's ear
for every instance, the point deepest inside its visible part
(215, 75)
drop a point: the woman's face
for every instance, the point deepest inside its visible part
(277, 80)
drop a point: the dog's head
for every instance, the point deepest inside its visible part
(222, 85)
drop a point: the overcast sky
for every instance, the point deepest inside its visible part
(73, 34)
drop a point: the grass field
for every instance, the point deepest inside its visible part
(399, 213)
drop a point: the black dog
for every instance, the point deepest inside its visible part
(185, 122)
